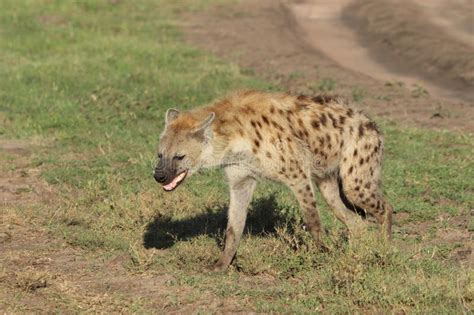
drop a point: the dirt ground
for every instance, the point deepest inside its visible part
(297, 44)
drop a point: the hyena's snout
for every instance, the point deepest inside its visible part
(163, 172)
(160, 177)
(167, 175)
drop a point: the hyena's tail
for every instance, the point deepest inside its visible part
(361, 174)
(360, 211)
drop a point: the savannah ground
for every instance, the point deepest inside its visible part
(84, 227)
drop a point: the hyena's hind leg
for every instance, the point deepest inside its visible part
(241, 186)
(303, 190)
(329, 188)
(361, 172)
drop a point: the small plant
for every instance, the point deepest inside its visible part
(326, 85)
(419, 91)
(358, 94)
(295, 75)
(384, 97)
(394, 84)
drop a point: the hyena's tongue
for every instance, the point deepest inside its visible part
(175, 182)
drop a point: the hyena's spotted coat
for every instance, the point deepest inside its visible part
(299, 141)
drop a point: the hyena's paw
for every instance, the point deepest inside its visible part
(318, 236)
(219, 266)
(322, 246)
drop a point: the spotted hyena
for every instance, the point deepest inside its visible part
(300, 141)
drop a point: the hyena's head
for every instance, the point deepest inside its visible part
(184, 145)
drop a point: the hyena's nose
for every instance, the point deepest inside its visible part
(160, 177)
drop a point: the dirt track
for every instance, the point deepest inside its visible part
(325, 30)
(300, 43)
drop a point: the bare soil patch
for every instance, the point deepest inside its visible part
(446, 232)
(19, 182)
(265, 37)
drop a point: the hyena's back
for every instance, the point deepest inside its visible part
(296, 138)
(279, 129)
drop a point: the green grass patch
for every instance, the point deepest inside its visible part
(93, 79)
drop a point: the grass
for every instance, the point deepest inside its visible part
(90, 81)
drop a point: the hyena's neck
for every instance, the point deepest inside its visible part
(216, 152)
(223, 147)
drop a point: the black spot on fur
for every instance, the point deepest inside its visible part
(321, 141)
(323, 99)
(276, 125)
(371, 126)
(334, 121)
(350, 113)
(342, 120)
(361, 130)
(323, 119)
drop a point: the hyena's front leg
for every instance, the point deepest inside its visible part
(242, 186)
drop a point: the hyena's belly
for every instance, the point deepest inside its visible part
(294, 159)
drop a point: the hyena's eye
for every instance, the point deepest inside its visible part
(160, 156)
(179, 157)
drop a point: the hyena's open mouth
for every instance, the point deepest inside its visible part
(176, 181)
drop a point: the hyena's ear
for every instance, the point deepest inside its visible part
(171, 114)
(204, 130)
